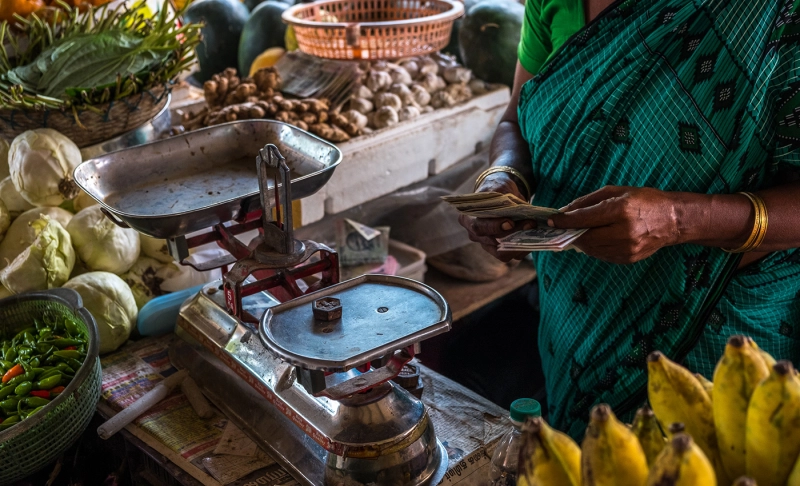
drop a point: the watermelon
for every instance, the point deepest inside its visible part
(223, 23)
(252, 4)
(489, 37)
(264, 29)
(452, 46)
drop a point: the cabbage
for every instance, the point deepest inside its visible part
(5, 219)
(101, 244)
(21, 234)
(82, 201)
(41, 163)
(111, 303)
(11, 198)
(45, 264)
(155, 248)
(4, 159)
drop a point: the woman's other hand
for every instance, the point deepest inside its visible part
(626, 224)
(486, 231)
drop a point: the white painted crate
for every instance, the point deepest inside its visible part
(382, 162)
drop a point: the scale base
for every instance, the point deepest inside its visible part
(303, 457)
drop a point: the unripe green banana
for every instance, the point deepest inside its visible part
(740, 370)
(682, 463)
(646, 428)
(611, 454)
(773, 427)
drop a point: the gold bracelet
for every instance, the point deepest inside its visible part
(508, 170)
(759, 226)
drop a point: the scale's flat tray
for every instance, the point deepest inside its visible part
(179, 185)
(380, 314)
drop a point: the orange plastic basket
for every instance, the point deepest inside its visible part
(373, 29)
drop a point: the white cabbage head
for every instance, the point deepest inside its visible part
(45, 264)
(41, 163)
(102, 245)
(110, 301)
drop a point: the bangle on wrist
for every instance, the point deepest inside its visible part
(759, 226)
(508, 170)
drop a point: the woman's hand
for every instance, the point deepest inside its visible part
(626, 224)
(486, 231)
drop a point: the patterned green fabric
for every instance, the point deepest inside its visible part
(546, 27)
(680, 95)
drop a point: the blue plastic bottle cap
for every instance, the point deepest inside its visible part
(523, 408)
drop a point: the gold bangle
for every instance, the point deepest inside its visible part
(508, 170)
(760, 224)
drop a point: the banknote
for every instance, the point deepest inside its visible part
(540, 239)
(497, 205)
(356, 249)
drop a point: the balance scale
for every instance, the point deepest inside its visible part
(307, 374)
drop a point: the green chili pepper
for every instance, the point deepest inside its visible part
(24, 350)
(48, 373)
(64, 342)
(21, 335)
(9, 421)
(6, 365)
(29, 340)
(35, 362)
(75, 364)
(35, 410)
(45, 333)
(34, 402)
(19, 379)
(49, 382)
(6, 391)
(10, 403)
(24, 388)
(71, 354)
(11, 354)
(72, 328)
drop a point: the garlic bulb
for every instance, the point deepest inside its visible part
(388, 99)
(403, 92)
(427, 66)
(385, 117)
(356, 118)
(478, 87)
(411, 66)
(361, 105)
(378, 81)
(421, 95)
(363, 92)
(408, 113)
(400, 75)
(457, 74)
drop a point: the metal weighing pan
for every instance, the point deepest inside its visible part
(173, 187)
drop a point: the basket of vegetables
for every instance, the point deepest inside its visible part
(50, 378)
(90, 75)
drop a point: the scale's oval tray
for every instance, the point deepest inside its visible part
(172, 187)
(380, 314)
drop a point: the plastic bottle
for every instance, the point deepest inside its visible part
(503, 470)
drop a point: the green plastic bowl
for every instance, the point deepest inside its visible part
(41, 439)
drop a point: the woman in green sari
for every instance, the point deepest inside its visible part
(646, 126)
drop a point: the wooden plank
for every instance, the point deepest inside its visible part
(467, 297)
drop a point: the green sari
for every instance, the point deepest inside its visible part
(680, 95)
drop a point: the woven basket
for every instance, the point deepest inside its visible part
(39, 440)
(375, 29)
(115, 118)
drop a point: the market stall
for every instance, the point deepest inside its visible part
(131, 204)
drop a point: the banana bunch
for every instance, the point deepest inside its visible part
(746, 422)
(742, 429)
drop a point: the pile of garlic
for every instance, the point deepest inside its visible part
(390, 93)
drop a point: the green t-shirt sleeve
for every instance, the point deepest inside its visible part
(534, 45)
(545, 28)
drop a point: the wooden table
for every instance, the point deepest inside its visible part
(467, 297)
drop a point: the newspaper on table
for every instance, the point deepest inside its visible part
(215, 452)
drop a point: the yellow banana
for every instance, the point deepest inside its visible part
(677, 396)
(773, 426)
(548, 457)
(745, 481)
(682, 463)
(611, 454)
(707, 385)
(767, 357)
(794, 476)
(738, 373)
(646, 428)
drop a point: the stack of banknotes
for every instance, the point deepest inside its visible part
(497, 205)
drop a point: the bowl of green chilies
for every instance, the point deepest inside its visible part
(49, 378)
